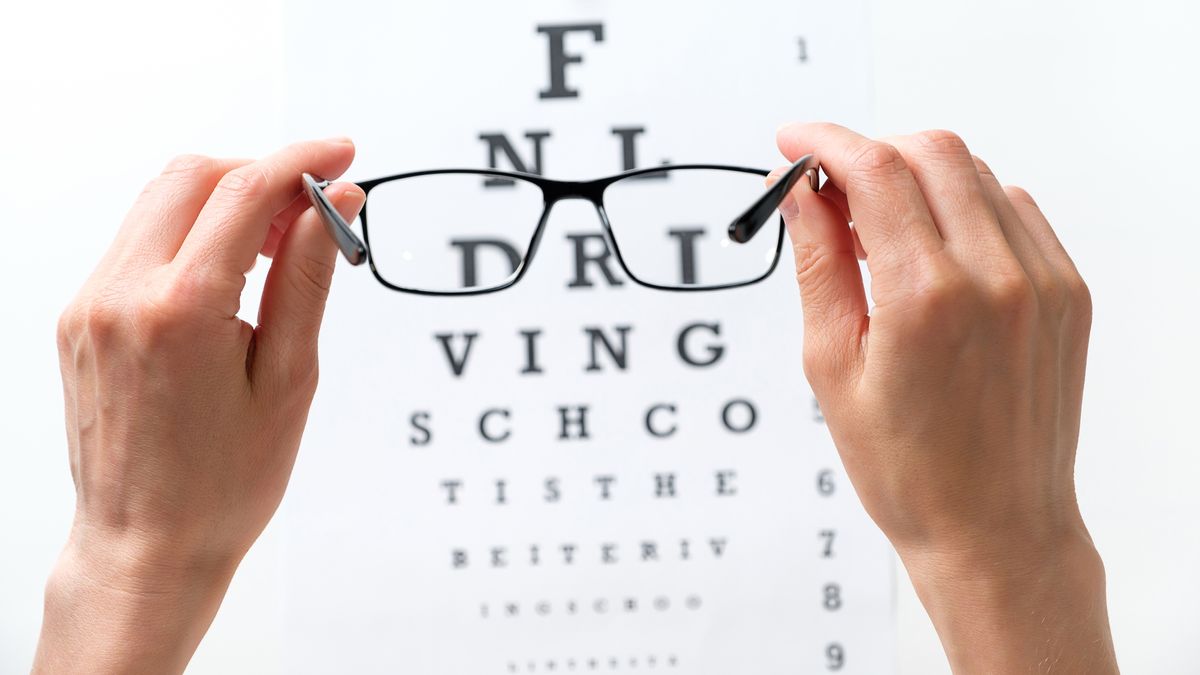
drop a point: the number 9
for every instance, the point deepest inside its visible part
(836, 656)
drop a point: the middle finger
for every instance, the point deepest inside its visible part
(958, 201)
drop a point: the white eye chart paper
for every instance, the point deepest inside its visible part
(577, 474)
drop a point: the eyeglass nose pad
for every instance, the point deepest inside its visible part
(351, 246)
(814, 179)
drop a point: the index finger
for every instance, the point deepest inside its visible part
(885, 203)
(234, 223)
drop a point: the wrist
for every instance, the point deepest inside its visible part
(1003, 604)
(113, 604)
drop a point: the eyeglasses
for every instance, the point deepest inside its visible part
(688, 227)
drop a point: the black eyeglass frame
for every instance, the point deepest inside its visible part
(741, 230)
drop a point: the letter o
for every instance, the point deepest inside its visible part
(726, 415)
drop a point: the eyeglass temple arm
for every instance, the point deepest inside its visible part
(351, 246)
(745, 226)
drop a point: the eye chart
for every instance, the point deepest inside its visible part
(577, 474)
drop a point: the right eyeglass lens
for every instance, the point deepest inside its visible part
(671, 227)
(451, 232)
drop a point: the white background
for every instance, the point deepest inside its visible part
(361, 571)
(1090, 106)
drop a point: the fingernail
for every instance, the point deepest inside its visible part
(339, 140)
(788, 207)
(353, 200)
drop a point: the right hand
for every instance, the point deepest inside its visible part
(183, 421)
(954, 401)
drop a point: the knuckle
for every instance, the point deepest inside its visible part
(304, 378)
(941, 142)
(247, 183)
(1011, 293)
(815, 365)
(818, 129)
(159, 313)
(313, 276)
(982, 166)
(101, 320)
(942, 293)
(817, 268)
(1079, 298)
(295, 379)
(181, 171)
(937, 303)
(874, 158)
(164, 309)
(188, 166)
(809, 255)
(947, 289)
(1051, 294)
(1019, 195)
(824, 362)
(68, 327)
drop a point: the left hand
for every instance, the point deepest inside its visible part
(954, 395)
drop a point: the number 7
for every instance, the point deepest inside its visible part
(828, 536)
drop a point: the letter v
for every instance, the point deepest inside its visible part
(460, 363)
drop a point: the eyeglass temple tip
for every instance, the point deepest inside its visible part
(352, 248)
(745, 226)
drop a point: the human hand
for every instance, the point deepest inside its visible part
(183, 421)
(955, 403)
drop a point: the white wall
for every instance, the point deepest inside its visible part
(1091, 106)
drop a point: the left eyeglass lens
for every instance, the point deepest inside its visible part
(671, 227)
(451, 232)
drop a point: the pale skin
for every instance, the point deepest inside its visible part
(953, 394)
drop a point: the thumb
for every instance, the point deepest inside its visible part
(831, 284)
(293, 300)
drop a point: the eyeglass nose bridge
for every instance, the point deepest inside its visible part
(559, 190)
(554, 191)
